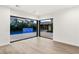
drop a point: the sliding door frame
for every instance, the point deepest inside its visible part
(28, 37)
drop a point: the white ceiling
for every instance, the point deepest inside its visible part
(39, 9)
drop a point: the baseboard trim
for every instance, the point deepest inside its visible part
(70, 44)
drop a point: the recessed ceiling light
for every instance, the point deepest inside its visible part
(17, 5)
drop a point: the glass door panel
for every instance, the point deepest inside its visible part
(46, 28)
(22, 28)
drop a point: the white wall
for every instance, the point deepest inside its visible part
(4, 26)
(66, 26)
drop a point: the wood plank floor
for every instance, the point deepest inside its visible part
(38, 46)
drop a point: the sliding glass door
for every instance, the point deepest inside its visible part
(22, 28)
(46, 28)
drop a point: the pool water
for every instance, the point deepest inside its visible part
(20, 32)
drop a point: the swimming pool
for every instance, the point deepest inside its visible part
(20, 32)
